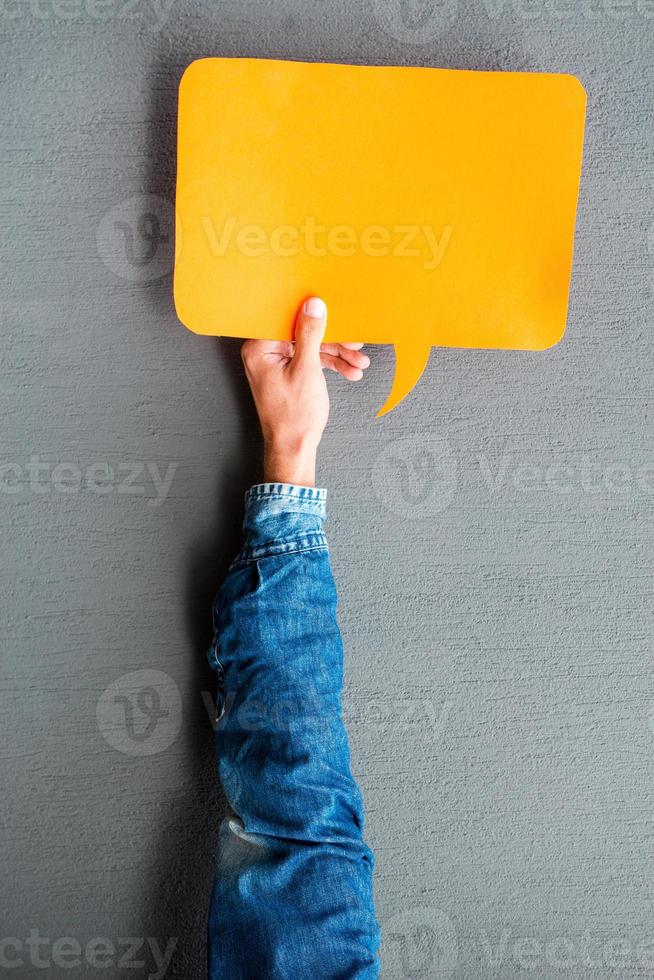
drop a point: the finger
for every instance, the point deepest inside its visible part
(354, 357)
(309, 332)
(352, 346)
(337, 364)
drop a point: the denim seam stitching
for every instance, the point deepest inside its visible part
(311, 496)
(251, 556)
(318, 505)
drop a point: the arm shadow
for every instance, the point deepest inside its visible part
(185, 843)
(181, 869)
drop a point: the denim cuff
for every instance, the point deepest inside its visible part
(282, 519)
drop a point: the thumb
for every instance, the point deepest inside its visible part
(309, 332)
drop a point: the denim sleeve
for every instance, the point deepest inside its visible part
(292, 895)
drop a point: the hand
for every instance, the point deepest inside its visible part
(290, 393)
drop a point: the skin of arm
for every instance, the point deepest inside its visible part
(292, 894)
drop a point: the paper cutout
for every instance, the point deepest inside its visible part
(425, 206)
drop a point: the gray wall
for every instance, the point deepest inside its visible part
(497, 614)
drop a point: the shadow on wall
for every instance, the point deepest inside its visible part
(184, 853)
(184, 846)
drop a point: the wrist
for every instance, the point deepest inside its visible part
(290, 463)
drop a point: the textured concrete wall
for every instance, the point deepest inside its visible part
(497, 618)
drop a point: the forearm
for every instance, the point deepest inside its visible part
(292, 465)
(283, 751)
(280, 649)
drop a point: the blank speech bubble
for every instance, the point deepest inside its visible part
(427, 207)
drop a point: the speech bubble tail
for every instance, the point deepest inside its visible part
(410, 361)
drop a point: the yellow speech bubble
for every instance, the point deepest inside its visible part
(427, 207)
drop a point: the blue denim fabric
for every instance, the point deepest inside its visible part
(292, 896)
